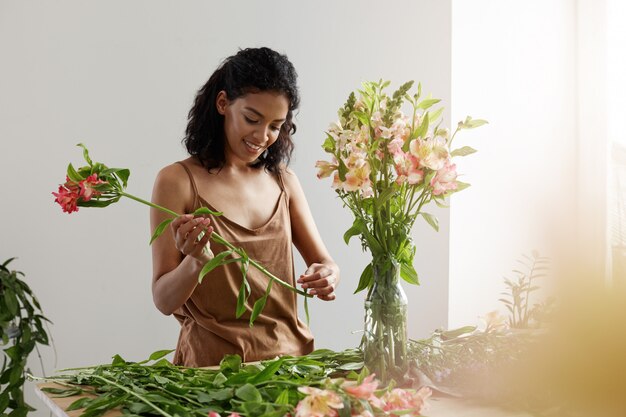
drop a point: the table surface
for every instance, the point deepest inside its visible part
(438, 407)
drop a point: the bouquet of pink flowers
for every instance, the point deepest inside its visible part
(387, 165)
(96, 185)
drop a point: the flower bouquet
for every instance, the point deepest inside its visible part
(96, 185)
(386, 167)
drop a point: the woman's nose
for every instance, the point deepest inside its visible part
(262, 133)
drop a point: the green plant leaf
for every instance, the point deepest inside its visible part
(464, 151)
(329, 144)
(213, 263)
(268, 372)
(85, 154)
(249, 393)
(118, 361)
(408, 273)
(259, 305)
(460, 186)
(352, 366)
(283, 397)
(427, 103)
(206, 210)
(73, 175)
(453, 334)
(80, 403)
(431, 220)
(355, 230)
(230, 362)
(366, 279)
(306, 310)
(160, 229)
(160, 354)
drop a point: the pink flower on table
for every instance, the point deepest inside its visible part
(86, 187)
(67, 198)
(431, 152)
(445, 179)
(365, 390)
(401, 400)
(318, 403)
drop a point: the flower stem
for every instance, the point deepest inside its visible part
(224, 242)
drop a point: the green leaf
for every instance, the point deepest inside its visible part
(258, 308)
(461, 186)
(11, 301)
(160, 354)
(431, 220)
(355, 230)
(472, 124)
(73, 175)
(80, 403)
(351, 366)
(213, 263)
(283, 397)
(268, 372)
(329, 144)
(453, 334)
(206, 210)
(427, 103)
(422, 129)
(85, 154)
(464, 151)
(230, 362)
(366, 278)
(306, 310)
(61, 392)
(408, 273)
(160, 229)
(118, 361)
(123, 174)
(432, 117)
(249, 393)
(241, 299)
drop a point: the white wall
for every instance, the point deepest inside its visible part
(514, 64)
(120, 76)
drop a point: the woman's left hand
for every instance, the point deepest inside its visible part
(320, 280)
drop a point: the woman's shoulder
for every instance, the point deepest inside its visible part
(290, 179)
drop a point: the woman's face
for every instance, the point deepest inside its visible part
(251, 123)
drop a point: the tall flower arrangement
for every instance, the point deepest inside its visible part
(387, 166)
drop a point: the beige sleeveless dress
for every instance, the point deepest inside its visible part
(209, 328)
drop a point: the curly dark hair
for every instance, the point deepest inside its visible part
(250, 70)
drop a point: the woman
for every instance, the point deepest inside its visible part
(239, 139)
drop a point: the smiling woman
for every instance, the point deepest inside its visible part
(239, 139)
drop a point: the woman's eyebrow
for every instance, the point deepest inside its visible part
(258, 113)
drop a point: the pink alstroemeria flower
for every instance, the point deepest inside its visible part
(86, 187)
(326, 168)
(431, 152)
(318, 403)
(400, 400)
(214, 414)
(445, 179)
(365, 390)
(407, 168)
(67, 199)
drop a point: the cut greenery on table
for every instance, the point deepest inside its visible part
(96, 185)
(321, 383)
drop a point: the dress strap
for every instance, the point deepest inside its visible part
(281, 184)
(196, 196)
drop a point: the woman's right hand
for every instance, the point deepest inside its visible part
(186, 230)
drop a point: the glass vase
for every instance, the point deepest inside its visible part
(385, 337)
